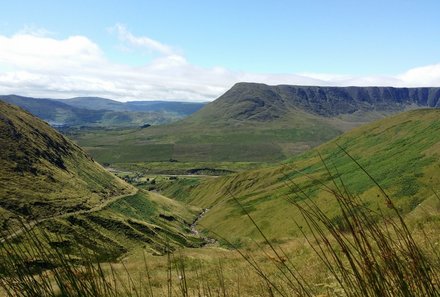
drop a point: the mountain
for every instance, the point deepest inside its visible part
(99, 112)
(96, 103)
(55, 113)
(402, 153)
(260, 102)
(259, 123)
(42, 173)
(48, 181)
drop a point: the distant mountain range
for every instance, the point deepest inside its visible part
(97, 103)
(95, 111)
(257, 122)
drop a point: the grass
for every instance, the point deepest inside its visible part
(407, 143)
(44, 174)
(197, 140)
(368, 253)
(365, 253)
(176, 179)
(357, 224)
(249, 123)
(143, 220)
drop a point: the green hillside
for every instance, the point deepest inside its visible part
(401, 152)
(43, 174)
(48, 181)
(257, 123)
(143, 220)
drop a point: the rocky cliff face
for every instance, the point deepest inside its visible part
(263, 102)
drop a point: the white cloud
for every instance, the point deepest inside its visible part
(426, 75)
(42, 66)
(145, 42)
(36, 53)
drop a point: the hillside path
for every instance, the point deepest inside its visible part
(65, 215)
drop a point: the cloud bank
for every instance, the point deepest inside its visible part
(40, 66)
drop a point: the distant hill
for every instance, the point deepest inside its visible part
(257, 122)
(42, 173)
(96, 103)
(100, 112)
(401, 152)
(55, 113)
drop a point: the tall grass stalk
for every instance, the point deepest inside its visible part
(367, 252)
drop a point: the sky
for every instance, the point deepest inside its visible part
(196, 50)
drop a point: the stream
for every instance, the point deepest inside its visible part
(194, 230)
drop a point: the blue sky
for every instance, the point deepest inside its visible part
(195, 50)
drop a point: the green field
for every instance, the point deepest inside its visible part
(190, 141)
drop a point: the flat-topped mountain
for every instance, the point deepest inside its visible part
(257, 122)
(260, 102)
(43, 174)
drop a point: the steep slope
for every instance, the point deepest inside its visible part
(143, 220)
(49, 181)
(257, 122)
(43, 174)
(401, 152)
(260, 102)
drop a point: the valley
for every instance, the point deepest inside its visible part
(233, 199)
(256, 123)
(220, 148)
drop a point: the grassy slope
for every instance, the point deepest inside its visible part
(401, 152)
(143, 220)
(43, 174)
(255, 123)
